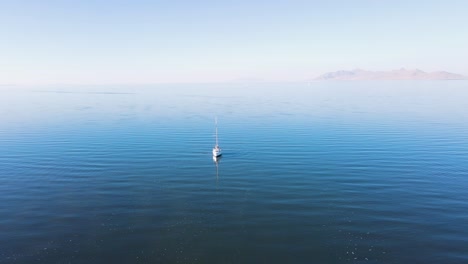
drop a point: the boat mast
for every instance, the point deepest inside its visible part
(216, 125)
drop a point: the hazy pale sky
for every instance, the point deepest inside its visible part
(109, 42)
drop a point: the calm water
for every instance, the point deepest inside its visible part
(371, 172)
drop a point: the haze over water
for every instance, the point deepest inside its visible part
(326, 172)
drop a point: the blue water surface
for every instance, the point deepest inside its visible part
(323, 172)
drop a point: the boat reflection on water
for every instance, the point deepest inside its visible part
(216, 161)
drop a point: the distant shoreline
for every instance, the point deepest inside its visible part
(401, 74)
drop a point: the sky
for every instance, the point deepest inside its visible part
(174, 41)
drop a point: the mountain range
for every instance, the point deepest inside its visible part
(401, 74)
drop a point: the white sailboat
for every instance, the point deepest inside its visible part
(217, 150)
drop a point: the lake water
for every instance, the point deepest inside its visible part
(326, 172)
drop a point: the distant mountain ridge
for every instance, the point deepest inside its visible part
(401, 74)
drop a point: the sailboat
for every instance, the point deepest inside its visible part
(216, 150)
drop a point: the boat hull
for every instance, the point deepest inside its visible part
(217, 152)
